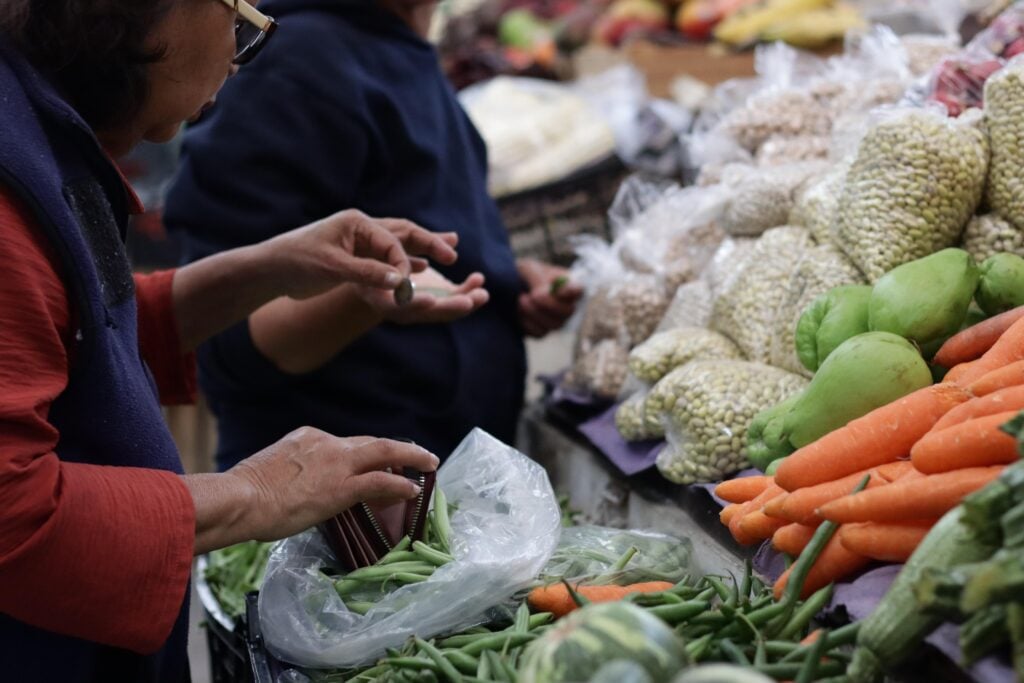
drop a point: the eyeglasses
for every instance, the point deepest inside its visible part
(252, 30)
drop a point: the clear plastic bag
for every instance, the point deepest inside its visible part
(666, 351)
(925, 51)
(504, 531)
(631, 419)
(690, 307)
(779, 151)
(1004, 102)
(585, 552)
(709, 408)
(1004, 37)
(764, 198)
(726, 265)
(822, 268)
(957, 82)
(916, 181)
(989, 234)
(601, 369)
(816, 205)
(745, 309)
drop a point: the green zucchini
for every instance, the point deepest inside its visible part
(894, 630)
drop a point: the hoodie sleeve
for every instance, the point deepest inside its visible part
(273, 154)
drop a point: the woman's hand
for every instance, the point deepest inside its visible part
(437, 299)
(303, 479)
(352, 247)
(546, 305)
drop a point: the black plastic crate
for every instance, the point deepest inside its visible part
(542, 221)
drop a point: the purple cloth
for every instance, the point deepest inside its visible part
(629, 457)
(861, 596)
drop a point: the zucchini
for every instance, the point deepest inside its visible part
(896, 627)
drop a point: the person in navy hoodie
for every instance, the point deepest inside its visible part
(351, 108)
(99, 524)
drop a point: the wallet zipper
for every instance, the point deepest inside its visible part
(412, 532)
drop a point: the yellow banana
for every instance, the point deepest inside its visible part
(747, 24)
(817, 28)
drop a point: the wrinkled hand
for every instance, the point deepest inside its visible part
(437, 299)
(310, 476)
(545, 306)
(352, 247)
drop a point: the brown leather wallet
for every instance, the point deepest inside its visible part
(363, 534)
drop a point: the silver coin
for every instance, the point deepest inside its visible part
(405, 292)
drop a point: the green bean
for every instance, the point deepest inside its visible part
(540, 619)
(696, 649)
(846, 635)
(780, 648)
(803, 615)
(790, 671)
(748, 575)
(446, 667)
(712, 619)
(760, 652)
(424, 552)
(463, 662)
(417, 663)
(810, 668)
(621, 563)
(522, 622)
(444, 527)
(360, 608)
(497, 641)
(483, 668)
(755, 619)
(733, 653)
(720, 589)
(674, 614)
(464, 639)
(498, 671)
(400, 556)
(706, 594)
(375, 572)
(345, 587)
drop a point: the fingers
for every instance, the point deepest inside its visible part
(539, 316)
(474, 281)
(438, 247)
(418, 264)
(376, 487)
(373, 256)
(379, 454)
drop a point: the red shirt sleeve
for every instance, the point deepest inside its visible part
(174, 370)
(95, 552)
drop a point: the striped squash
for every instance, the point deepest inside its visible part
(580, 644)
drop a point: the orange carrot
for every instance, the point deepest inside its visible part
(885, 541)
(728, 512)
(891, 471)
(1011, 375)
(758, 525)
(975, 443)
(557, 600)
(811, 637)
(1010, 398)
(801, 506)
(742, 489)
(919, 498)
(736, 530)
(1008, 349)
(773, 508)
(883, 435)
(972, 343)
(834, 563)
(793, 538)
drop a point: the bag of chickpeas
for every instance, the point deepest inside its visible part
(707, 408)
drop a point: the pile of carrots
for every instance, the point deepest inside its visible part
(920, 456)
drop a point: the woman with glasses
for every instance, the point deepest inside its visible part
(99, 525)
(348, 107)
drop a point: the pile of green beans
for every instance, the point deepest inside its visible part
(409, 562)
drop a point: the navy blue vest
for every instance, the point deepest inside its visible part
(110, 413)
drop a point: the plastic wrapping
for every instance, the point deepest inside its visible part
(636, 195)
(764, 198)
(822, 268)
(1004, 116)
(601, 369)
(1004, 37)
(710, 406)
(585, 552)
(916, 180)
(816, 205)
(745, 308)
(666, 351)
(778, 151)
(690, 307)
(989, 234)
(925, 51)
(728, 262)
(504, 530)
(631, 419)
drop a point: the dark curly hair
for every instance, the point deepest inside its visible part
(94, 50)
